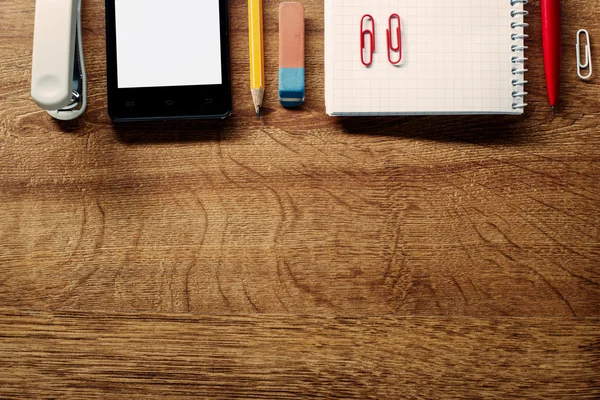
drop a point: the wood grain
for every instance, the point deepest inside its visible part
(298, 212)
(434, 257)
(82, 355)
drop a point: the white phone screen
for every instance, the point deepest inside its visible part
(163, 43)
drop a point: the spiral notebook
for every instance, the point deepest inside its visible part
(458, 57)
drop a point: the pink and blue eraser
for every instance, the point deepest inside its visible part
(291, 54)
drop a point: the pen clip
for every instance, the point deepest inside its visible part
(364, 32)
(587, 65)
(58, 82)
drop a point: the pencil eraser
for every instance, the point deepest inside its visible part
(291, 54)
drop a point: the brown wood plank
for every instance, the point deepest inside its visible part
(434, 257)
(86, 355)
(298, 212)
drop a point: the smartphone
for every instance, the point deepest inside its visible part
(168, 59)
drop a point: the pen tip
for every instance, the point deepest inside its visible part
(554, 109)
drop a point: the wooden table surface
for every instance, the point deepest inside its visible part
(299, 256)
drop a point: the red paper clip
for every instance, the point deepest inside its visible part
(364, 32)
(390, 40)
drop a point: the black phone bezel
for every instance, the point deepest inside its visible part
(162, 103)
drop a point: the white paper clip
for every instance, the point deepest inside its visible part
(587, 65)
(58, 79)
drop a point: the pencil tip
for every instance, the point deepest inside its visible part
(258, 113)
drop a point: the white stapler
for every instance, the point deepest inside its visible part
(58, 82)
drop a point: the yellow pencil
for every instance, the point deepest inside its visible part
(257, 53)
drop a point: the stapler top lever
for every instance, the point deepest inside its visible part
(58, 82)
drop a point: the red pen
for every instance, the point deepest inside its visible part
(552, 42)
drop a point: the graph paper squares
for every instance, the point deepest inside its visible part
(457, 58)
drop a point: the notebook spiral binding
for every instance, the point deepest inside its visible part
(519, 58)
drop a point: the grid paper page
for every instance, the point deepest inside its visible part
(457, 58)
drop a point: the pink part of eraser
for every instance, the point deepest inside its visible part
(291, 35)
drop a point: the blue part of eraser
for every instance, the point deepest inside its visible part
(291, 86)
